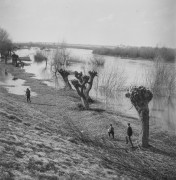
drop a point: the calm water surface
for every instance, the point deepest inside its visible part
(14, 86)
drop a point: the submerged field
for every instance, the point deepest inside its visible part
(51, 138)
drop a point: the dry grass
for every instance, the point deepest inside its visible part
(137, 162)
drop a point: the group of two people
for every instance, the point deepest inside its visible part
(110, 130)
(129, 133)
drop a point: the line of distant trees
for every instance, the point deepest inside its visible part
(168, 54)
(51, 45)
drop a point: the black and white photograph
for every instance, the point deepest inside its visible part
(87, 90)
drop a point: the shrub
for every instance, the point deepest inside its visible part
(39, 57)
(162, 78)
(97, 61)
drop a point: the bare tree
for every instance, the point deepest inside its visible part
(62, 55)
(59, 64)
(83, 86)
(55, 68)
(111, 84)
(97, 61)
(140, 98)
(5, 44)
(162, 80)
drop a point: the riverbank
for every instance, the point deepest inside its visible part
(52, 138)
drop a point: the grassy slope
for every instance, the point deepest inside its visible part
(44, 139)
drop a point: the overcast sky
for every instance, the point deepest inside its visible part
(101, 22)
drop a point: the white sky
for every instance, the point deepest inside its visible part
(101, 22)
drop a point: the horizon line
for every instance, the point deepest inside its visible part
(92, 45)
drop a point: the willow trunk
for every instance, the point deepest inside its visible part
(67, 83)
(85, 103)
(144, 117)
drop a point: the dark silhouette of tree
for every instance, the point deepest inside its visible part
(65, 74)
(5, 44)
(83, 85)
(15, 59)
(140, 98)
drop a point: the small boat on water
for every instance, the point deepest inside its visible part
(47, 49)
(25, 58)
(25, 47)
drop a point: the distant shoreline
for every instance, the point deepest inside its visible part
(124, 52)
(147, 53)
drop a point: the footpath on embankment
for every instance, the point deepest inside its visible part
(51, 138)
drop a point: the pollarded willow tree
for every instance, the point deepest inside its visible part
(83, 85)
(140, 98)
(56, 68)
(65, 74)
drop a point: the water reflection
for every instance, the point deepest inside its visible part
(13, 85)
(109, 87)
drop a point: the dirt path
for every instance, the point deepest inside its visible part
(52, 139)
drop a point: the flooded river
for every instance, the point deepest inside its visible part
(109, 86)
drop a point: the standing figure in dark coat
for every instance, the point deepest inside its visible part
(129, 134)
(28, 95)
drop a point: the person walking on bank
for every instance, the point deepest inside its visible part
(28, 95)
(111, 131)
(129, 134)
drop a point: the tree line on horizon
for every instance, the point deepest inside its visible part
(168, 54)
